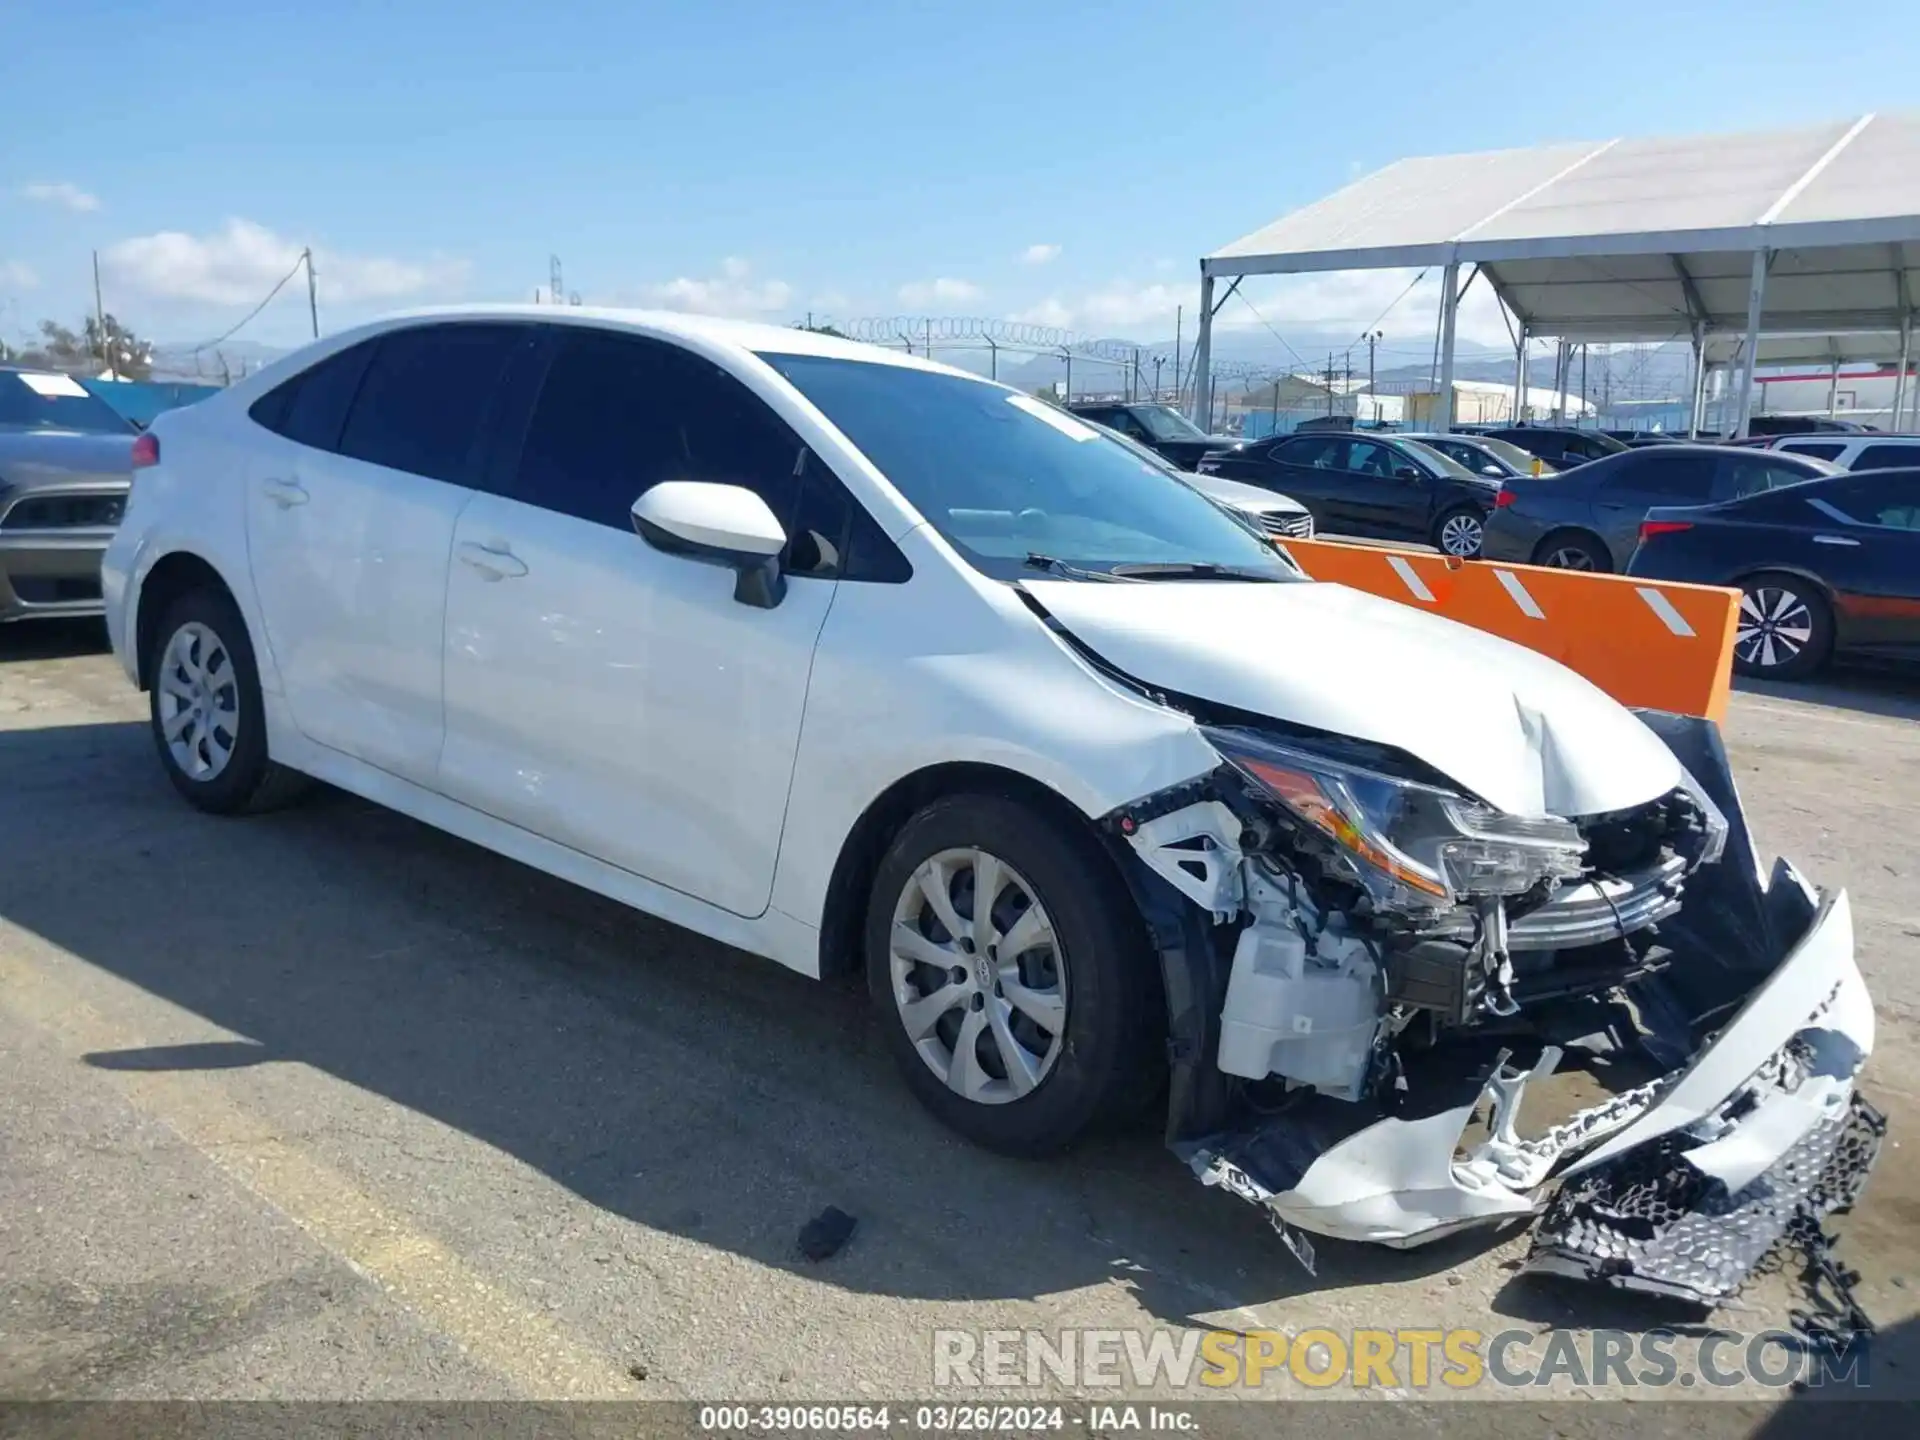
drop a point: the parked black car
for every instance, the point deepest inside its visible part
(1589, 518)
(1161, 428)
(1564, 445)
(1824, 568)
(1379, 486)
(66, 462)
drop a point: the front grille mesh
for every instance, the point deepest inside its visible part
(64, 512)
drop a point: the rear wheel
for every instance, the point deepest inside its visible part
(1570, 550)
(1460, 532)
(209, 722)
(1011, 974)
(1785, 629)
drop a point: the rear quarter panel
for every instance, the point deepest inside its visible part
(193, 501)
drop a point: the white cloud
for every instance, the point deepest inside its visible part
(1356, 300)
(944, 291)
(1039, 254)
(1117, 307)
(243, 261)
(62, 193)
(1052, 311)
(734, 292)
(14, 275)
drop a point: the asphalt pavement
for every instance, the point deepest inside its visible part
(325, 1104)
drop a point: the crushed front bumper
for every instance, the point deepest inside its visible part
(1679, 1186)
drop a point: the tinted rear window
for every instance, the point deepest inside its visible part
(420, 405)
(310, 408)
(1818, 449)
(1682, 478)
(1886, 457)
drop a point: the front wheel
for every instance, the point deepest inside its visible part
(1459, 532)
(1011, 974)
(1785, 629)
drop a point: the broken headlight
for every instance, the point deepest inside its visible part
(1411, 846)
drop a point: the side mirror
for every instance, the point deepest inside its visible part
(1407, 472)
(727, 525)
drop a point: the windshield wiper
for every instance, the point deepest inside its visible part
(1194, 570)
(1035, 560)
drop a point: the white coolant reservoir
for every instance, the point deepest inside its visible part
(1309, 1017)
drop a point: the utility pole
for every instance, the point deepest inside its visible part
(1328, 377)
(313, 293)
(1583, 379)
(1178, 312)
(1374, 337)
(100, 317)
(1158, 361)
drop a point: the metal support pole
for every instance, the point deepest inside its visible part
(993, 358)
(1562, 358)
(1202, 411)
(1900, 378)
(1449, 309)
(1698, 391)
(1520, 378)
(1068, 354)
(1750, 348)
(1833, 388)
(313, 296)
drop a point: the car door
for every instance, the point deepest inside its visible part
(1376, 490)
(349, 517)
(1870, 558)
(606, 695)
(1635, 482)
(1301, 466)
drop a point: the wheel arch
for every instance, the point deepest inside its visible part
(1573, 531)
(844, 909)
(175, 574)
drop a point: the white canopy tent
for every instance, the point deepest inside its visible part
(1807, 230)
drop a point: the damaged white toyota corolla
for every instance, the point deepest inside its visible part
(848, 658)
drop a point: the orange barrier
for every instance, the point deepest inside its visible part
(1649, 643)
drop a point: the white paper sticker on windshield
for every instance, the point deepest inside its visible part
(1059, 419)
(51, 384)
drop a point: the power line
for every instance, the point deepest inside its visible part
(255, 311)
(1297, 359)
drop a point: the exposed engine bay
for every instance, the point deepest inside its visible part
(1368, 968)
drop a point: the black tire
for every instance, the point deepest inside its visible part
(1438, 538)
(1785, 629)
(1107, 1063)
(249, 782)
(1572, 550)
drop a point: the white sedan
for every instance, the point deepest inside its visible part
(851, 659)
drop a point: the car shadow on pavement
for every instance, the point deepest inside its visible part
(666, 1079)
(1867, 690)
(51, 639)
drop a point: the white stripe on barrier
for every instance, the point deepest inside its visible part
(1529, 607)
(1412, 578)
(1663, 607)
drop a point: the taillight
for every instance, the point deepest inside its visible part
(1503, 499)
(146, 451)
(1650, 528)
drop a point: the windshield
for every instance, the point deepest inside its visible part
(1518, 460)
(1004, 476)
(1432, 458)
(1163, 422)
(37, 400)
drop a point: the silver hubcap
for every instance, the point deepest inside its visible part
(199, 701)
(1461, 536)
(1570, 557)
(978, 976)
(1775, 626)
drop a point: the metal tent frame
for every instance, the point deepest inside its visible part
(1814, 230)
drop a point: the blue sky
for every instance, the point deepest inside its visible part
(1061, 162)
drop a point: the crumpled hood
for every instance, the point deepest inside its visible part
(1522, 732)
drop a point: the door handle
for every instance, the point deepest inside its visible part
(1834, 540)
(285, 493)
(501, 564)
